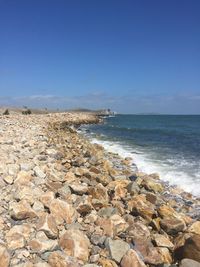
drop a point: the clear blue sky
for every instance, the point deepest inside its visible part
(131, 56)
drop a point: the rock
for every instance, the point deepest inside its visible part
(84, 206)
(107, 263)
(8, 179)
(131, 259)
(191, 248)
(149, 253)
(165, 254)
(41, 264)
(75, 244)
(23, 178)
(194, 228)
(162, 241)
(46, 198)
(26, 166)
(60, 259)
(13, 169)
(15, 240)
(140, 206)
(41, 244)
(39, 172)
(79, 189)
(133, 188)
(21, 211)
(91, 265)
(152, 185)
(4, 257)
(47, 224)
(62, 211)
(117, 249)
(112, 226)
(172, 225)
(99, 192)
(189, 263)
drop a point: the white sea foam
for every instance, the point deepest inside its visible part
(171, 173)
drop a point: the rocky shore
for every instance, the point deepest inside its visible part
(68, 203)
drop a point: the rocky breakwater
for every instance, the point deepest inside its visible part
(67, 203)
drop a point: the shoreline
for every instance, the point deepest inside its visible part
(69, 202)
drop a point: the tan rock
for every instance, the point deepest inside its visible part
(46, 198)
(166, 256)
(79, 189)
(23, 178)
(75, 244)
(162, 241)
(140, 206)
(60, 259)
(107, 263)
(112, 226)
(39, 245)
(8, 179)
(47, 224)
(131, 259)
(21, 211)
(194, 228)
(4, 257)
(62, 211)
(152, 185)
(15, 240)
(99, 192)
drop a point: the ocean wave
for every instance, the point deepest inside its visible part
(172, 170)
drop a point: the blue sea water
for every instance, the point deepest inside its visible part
(167, 144)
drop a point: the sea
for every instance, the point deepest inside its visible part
(165, 144)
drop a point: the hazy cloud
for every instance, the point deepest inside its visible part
(177, 104)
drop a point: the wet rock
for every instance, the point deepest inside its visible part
(117, 249)
(75, 244)
(132, 259)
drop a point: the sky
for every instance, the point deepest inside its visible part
(132, 56)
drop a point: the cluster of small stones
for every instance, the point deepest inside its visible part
(68, 203)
